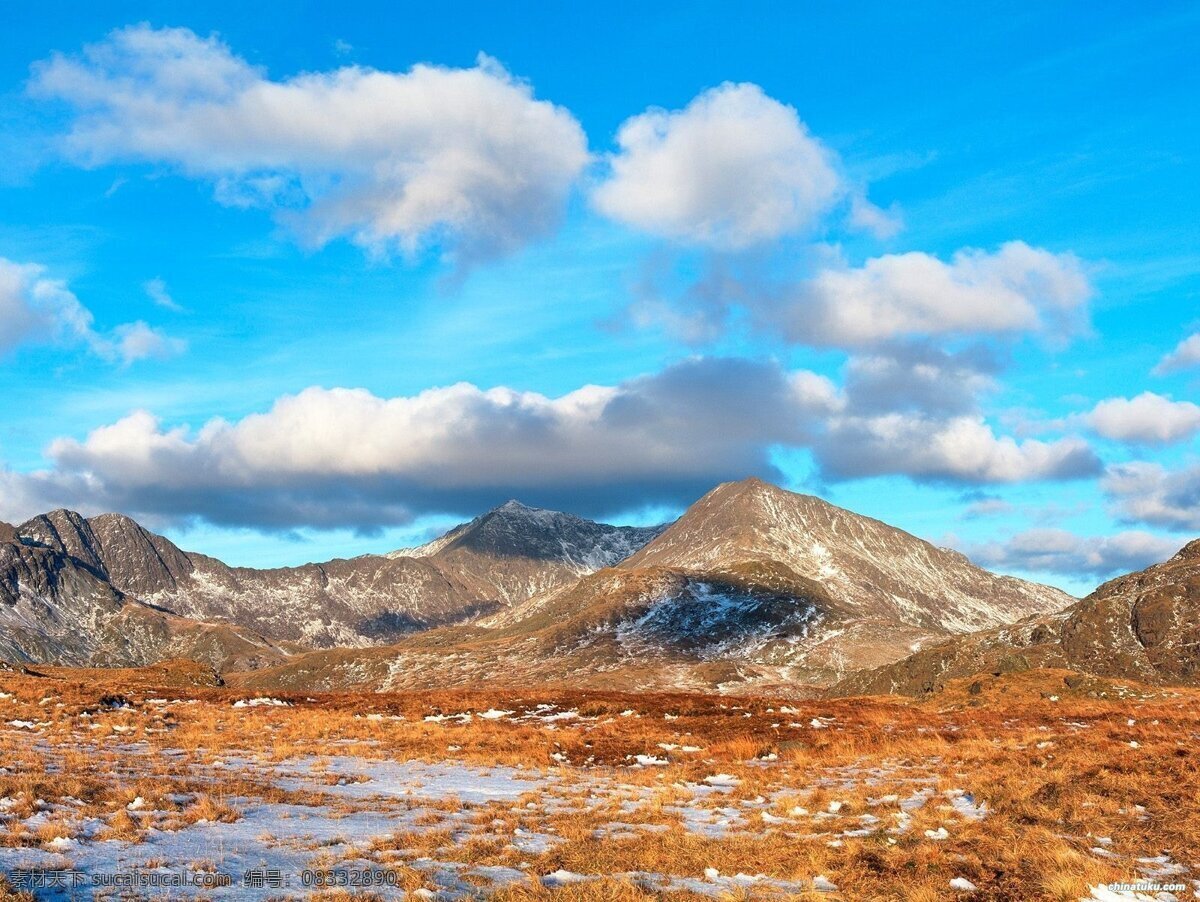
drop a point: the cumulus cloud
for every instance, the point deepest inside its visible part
(1148, 419)
(344, 457)
(1061, 552)
(957, 449)
(733, 169)
(912, 409)
(1143, 492)
(464, 158)
(35, 308)
(1015, 289)
(1185, 356)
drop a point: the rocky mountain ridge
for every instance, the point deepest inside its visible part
(57, 608)
(1143, 626)
(753, 588)
(494, 561)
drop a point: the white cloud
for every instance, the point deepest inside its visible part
(954, 449)
(37, 309)
(463, 158)
(156, 290)
(867, 217)
(346, 457)
(1143, 492)
(1062, 552)
(1147, 419)
(912, 409)
(1185, 356)
(987, 507)
(131, 342)
(1018, 288)
(919, 377)
(734, 169)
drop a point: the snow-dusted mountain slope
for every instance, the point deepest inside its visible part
(492, 562)
(57, 608)
(870, 569)
(754, 587)
(1143, 626)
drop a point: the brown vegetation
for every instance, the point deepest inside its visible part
(1064, 765)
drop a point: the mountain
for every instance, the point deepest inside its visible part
(57, 608)
(872, 570)
(492, 562)
(753, 588)
(1143, 626)
(514, 552)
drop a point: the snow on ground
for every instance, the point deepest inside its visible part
(338, 810)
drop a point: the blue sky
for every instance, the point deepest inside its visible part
(937, 266)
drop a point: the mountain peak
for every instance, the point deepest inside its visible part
(749, 487)
(753, 483)
(753, 490)
(59, 517)
(874, 570)
(513, 506)
(113, 518)
(67, 532)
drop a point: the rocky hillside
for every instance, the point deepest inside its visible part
(754, 588)
(494, 561)
(57, 608)
(1143, 626)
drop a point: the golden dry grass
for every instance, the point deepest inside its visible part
(1061, 763)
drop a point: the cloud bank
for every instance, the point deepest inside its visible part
(346, 457)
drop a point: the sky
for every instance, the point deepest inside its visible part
(302, 282)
